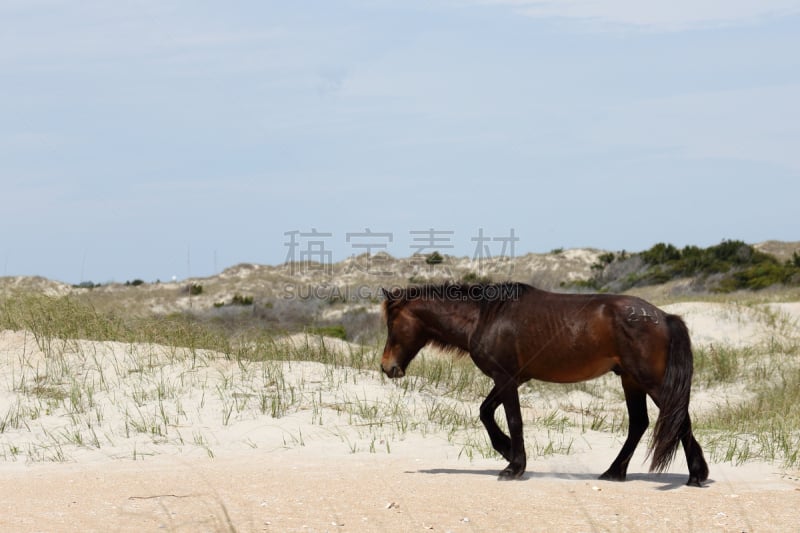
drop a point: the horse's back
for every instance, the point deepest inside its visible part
(571, 337)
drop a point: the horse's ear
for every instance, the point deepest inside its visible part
(386, 294)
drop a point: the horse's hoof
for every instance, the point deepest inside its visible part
(609, 476)
(694, 482)
(509, 474)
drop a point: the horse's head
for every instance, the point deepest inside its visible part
(405, 334)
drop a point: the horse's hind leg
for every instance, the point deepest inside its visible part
(500, 440)
(636, 400)
(698, 468)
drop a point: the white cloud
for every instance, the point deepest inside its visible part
(674, 15)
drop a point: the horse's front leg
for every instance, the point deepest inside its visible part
(499, 440)
(512, 449)
(516, 466)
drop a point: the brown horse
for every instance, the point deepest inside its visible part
(514, 332)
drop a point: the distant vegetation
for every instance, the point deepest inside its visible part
(337, 332)
(274, 300)
(86, 285)
(195, 289)
(729, 266)
(238, 299)
(474, 277)
(606, 259)
(434, 259)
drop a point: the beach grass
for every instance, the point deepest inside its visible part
(165, 375)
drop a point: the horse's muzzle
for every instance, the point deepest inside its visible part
(394, 372)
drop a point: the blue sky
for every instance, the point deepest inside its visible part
(150, 139)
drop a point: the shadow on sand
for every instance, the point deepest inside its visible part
(664, 481)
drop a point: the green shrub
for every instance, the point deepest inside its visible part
(195, 289)
(761, 276)
(603, 260)
(337, 332)
(474, 277)
(590, 284)
(744, 266)
(660, 253)
(741, 266)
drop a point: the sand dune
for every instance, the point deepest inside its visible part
(108, 435)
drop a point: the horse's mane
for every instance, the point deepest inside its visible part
(487, 295)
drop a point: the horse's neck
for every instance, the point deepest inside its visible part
(450, 323)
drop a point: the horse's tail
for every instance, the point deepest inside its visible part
(673, 419)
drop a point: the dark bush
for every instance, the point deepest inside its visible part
(661, 253)
(603, 260)
(434, 259)
(86, 285)
(238, 299)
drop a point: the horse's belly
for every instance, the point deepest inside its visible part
(570, 370)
